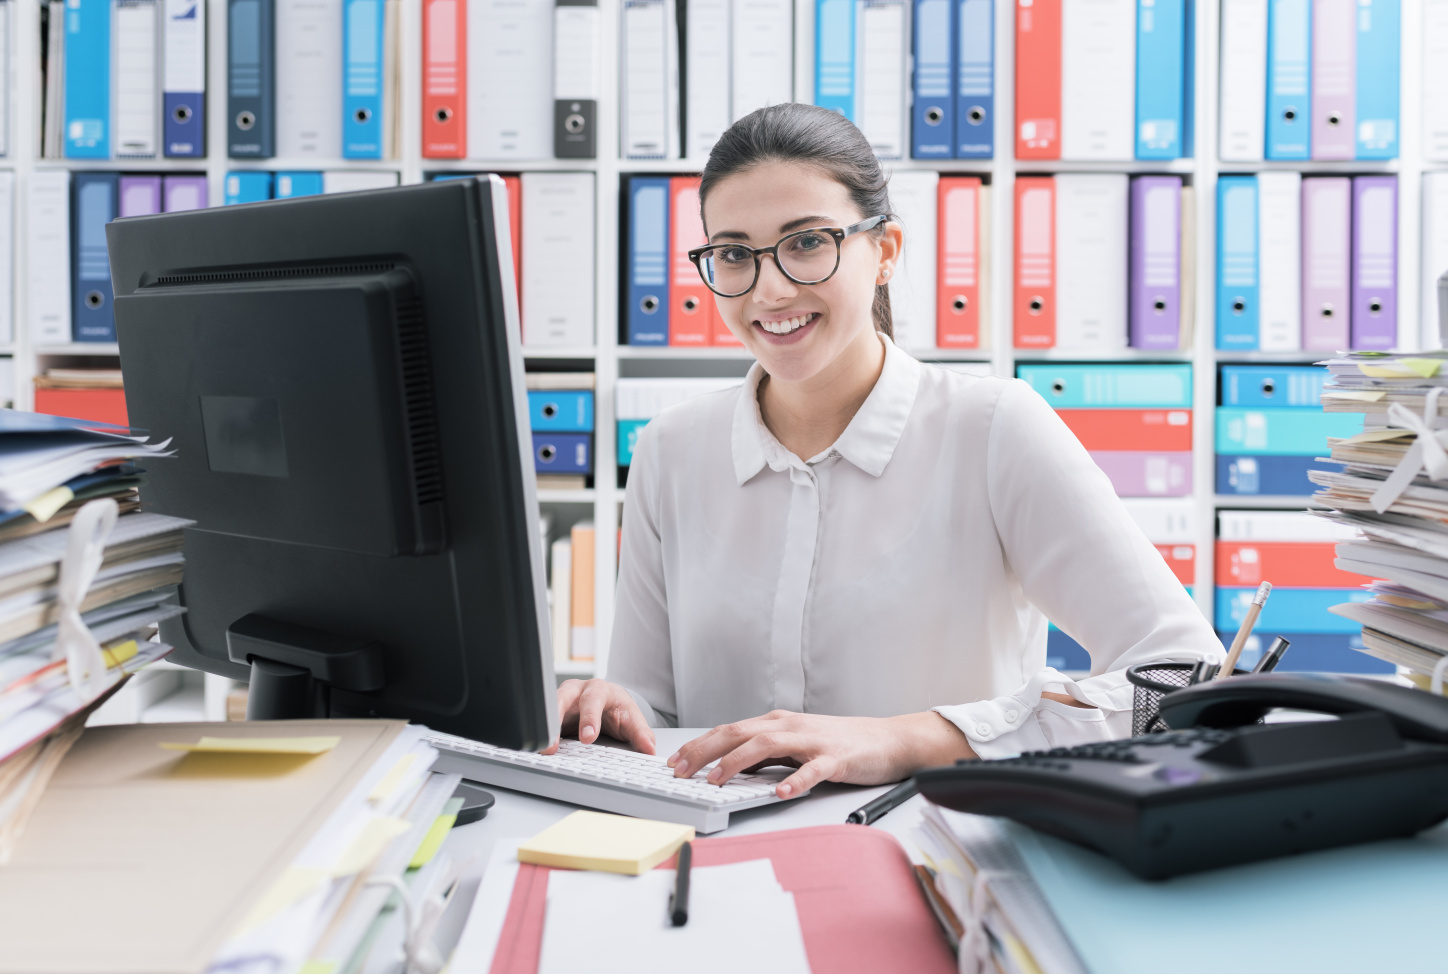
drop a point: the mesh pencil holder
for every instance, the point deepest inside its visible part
(1152, 682)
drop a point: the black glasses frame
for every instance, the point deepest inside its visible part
(837, 233)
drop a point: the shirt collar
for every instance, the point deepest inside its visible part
(868, 441)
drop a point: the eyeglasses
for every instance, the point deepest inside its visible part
(805, 257)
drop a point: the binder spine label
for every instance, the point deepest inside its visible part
(250, 40)
(184, 84)
(362, 37)
(933, 118)
(88, 79)
(835, 56)
(1378, 74)
(1237, 311)
(1289, 102)
(975, 80)
(1160, 77)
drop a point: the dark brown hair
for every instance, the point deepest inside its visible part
(818, 137)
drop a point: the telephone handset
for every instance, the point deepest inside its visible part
(1222, 788)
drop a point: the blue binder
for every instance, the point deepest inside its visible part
(835, 56)
(647, 313)
(251, 79)
(291, 184)
(1310, 652)
(94, 200)
(1160, 83)
(1111, 386)
(560, 410)
(975, 90)
(184, 129)
(933, 118)
(1377, 79)
(565, 453)
(1064, 653)
(1289, 609)
(1237, 308)
(1189, 69)
(88, 81)
(248, 187)
(1289, 79)
(1281, 431)
(362, 31)
(1273, 385)
(1267, 475)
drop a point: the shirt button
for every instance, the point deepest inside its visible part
(982, 729)
(1011, 716)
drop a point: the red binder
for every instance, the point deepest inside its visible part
(1038, 79)
(444, 79)
(1034, 315)
(957, 314)
(1182, 560)
(101, 405)
(1130, 429)
(860, 907)
(514, 186)
(692, 302)
(1283, 563)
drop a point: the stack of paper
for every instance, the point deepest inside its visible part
(1393, 487)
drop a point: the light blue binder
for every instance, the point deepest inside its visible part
(560, 410)
(1289, 609)
(87, 79)
(933, 116)
(362, 79)
(1273, 385)
(1289, 79)
(1237, 305)
(248, 187)
(1281, 431)
(975, 86)
(835, 56)
(1160, 81)
(293, 184)
(1377, 79)
(1111, 386)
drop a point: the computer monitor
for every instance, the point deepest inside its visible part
(343, 380)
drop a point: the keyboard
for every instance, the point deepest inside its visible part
(606, 778)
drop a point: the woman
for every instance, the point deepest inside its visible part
(844, 562)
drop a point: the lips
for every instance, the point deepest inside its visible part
(788, 325)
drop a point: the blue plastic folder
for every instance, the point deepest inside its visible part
(1118, 386)
(974, 80)
(647, 312)
(835, 56)
(362, 79)
(1281, 431)
(87, 79)
(560, 410)
(1273, 385)
(1268, 475)
(1288, 609)
(1160, 78)
(933, 116)
(94, 203)
(1289, 79)
(1237, 306)
(1377, 79)
(248, 187)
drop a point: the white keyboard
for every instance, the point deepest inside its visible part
(607, 778)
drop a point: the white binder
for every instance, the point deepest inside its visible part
(1279, 260)
(558, 221)
(510, 79)
(47, 244)
(914, 193)
(309, 79)
(1091, 260)
(1244, 80)
(7, 258)
(1164, 520)
(1435, 82)
(650, 80)
(706, 62)
(763, 73)
(882, 56)
(5, 81)
(136, 90)
(1098, 79)
(1435, 253)
(355, 180)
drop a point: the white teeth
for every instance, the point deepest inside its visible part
(786, 326)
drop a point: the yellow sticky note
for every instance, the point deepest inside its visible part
(258, 745)
(375, 836)
(432, 841)
(606, 843)
(391, 780)
(1378, 436)
(118, 654)
(43, 508)
(1403, 368)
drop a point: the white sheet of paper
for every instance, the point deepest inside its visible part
(605, 923)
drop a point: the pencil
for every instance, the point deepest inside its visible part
(1250, 620)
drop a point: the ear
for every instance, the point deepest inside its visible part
(892, 247)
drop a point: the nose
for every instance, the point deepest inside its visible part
(772, 284)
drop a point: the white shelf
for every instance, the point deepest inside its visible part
(572, 351)
(1089, 355)
(586, 495)
(1037, 166)
(1264, 502)
(79, 348)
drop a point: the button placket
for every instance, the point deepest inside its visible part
(787, 632)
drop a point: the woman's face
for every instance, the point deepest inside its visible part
(794, 330)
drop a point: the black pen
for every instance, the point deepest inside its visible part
(875, 810)
(679, 900)
(1272, 657)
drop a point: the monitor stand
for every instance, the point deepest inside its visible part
(294, 668)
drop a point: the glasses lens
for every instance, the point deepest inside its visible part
(728, 270)
(809, 257)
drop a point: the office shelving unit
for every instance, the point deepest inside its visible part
(609, 360)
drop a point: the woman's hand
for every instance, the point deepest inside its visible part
(592, 707)
(857, 750)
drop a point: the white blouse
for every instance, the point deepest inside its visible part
(904, 569)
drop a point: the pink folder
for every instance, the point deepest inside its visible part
(1326, 256)
(860, 906)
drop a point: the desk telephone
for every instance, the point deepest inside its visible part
(1222, 788)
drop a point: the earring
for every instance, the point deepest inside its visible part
(887, 272)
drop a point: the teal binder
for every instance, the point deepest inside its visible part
(1282, 430)
(1237, 305)
(1122, 386)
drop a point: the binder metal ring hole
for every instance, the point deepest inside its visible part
(934, 116)
(1334, 118)
(976, 115)
(1268, 387)
(1327, 311)
(1375, 306)
(245, 120)
(1159, 305)
(546, 453)
(443, 114)
(1037, 305)
(550, 410)
(650, 304)
(94, 299)
(959, 303)
(181, 113)
(363, 115)
(1058, 386)
(573, 124)
(1239, 305)
(691, 304)
(1289, 114)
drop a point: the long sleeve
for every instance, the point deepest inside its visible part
(1080, 558)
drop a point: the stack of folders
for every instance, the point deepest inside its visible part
(560, 411)
(1135, 420)
(571, 589)
(123, 80)
(1296, 552)
(1271, 430)
(75, 619)
(639, 400)
(70, 291)
(1309, 79)
(1103, 261)
(284, 846)
(1401, 509)
(1307, 262)
(1170, 525)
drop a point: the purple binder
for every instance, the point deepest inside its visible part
(1147, 474)
(1156, 236)
(1374, 262)
(1334, 79)
(140, 195)
(1326, 222)
(185, 193)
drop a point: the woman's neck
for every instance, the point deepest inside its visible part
(808, 416)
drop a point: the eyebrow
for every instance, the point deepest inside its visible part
(804, 221)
